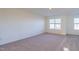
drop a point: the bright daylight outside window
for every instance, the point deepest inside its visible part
(76, 23)
(55, 24)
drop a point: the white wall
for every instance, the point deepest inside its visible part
(16, 24)
(70, 24)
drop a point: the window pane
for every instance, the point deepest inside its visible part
(76, 26)
(57, 20)
(76, 20)
(57, 26)
(51, 26)
(51, 21)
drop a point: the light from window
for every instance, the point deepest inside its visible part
(55, 24)
(66, 49)
(76, 23)
(51, 26)
(57, 20)
(51, 21)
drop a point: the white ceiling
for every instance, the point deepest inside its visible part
(54, 11)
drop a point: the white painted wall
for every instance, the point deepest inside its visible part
(16, 24)
(70, 24)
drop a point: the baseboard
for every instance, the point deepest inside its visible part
(57, 33)
(73, 34)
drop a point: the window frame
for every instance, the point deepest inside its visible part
(55, 23)
(76, 24)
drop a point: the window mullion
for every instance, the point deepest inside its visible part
(54, 24)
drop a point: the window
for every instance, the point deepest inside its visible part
(55, 24)
(76, 23)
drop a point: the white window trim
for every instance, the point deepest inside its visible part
(75, 24)
(55, 24)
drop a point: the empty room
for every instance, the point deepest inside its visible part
(39, 29)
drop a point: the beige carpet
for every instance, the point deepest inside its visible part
(44, 42)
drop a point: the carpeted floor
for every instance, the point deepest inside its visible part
(44, 42)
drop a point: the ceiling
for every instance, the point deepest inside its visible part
(54, 11)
